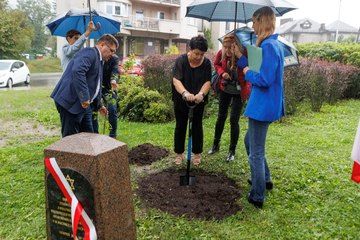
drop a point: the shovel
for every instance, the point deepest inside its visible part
(187, 180)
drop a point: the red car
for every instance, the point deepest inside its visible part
(136, 69)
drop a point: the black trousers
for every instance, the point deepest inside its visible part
(225, 99)
(74, 123)
(181, 117)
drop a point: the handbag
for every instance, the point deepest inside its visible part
(215, 83)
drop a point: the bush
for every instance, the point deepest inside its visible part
(318, 81)
(353, 88)
(294, 88)
(315, 83)
(158, 112)
(347, 53)
(173, 49)
(129, 63)
(158, 72)
(138, 103)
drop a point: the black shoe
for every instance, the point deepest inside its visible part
(256, 204)
(230, 157)
(268, 185)
(214, 149)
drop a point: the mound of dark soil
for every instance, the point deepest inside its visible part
(212, 197)
(146, 153)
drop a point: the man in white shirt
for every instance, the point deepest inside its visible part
(80, 85)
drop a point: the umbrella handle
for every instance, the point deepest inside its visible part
(97, 25)
(90, 10)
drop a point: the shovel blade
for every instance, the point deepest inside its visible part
(187, 180)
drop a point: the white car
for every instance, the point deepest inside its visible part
(13, 72)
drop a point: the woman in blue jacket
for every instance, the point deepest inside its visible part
(266, 103)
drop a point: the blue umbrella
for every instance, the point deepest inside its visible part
(246, 36)
(234, 10)
(78, 19)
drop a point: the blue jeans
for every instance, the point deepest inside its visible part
(112, 117)
(255, 139)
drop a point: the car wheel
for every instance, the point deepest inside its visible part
(27, 80)
(10, 83)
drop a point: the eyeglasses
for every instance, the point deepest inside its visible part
(111, 50)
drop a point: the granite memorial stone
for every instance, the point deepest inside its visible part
(97, 170)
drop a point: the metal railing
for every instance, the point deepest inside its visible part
(175, 2)
(145, 23)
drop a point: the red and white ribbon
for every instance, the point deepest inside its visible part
(77, 211)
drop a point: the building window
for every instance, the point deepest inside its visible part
(117, 10)
(227, 26)
(305, 25)
(109, 9)
(161, 15)
(121, 9)
(124, 9)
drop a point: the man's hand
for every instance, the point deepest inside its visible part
(85, 104)
(89, 28)
(103, 111)
(114, 85)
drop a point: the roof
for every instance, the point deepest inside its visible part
(343, 27)
(305, 25)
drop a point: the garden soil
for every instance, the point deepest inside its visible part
(214, 196)
(146, 153)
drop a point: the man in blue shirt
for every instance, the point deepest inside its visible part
(75, 41)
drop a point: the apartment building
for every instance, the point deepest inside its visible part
(147, 26)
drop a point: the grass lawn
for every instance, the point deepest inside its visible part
(45, 65)
(308, 154)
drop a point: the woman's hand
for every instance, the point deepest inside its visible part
(189, 97)
(236, 50)
(245, 70)
(199, 97)
(225, 76)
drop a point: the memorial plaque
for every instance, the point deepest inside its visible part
(59, 211)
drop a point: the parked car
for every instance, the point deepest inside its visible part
(136, 69)
(13, 72)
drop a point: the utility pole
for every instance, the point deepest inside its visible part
(338, 22)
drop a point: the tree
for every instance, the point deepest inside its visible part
(39, 12)
(3, 5)
(207, 35)
(15, 31)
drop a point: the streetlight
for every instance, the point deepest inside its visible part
(337, 24)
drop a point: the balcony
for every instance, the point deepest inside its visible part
(161, 2)
(151, 24)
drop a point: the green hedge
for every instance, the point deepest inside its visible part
(347, 53)
(140, 104)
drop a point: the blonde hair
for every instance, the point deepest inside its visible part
(230, 38)
(265, 18)
(227, 39)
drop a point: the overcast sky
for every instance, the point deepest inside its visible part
(321, 11)
(327, 11)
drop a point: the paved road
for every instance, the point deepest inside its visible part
(38, 80)
(44, 79)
